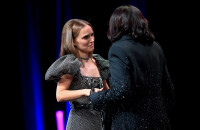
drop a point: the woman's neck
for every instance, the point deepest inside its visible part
(84, 56)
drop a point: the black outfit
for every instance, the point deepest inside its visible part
(81, 116)
(141, 92)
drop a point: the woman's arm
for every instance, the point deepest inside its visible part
(62, 92)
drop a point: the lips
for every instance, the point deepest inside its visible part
(91, 45)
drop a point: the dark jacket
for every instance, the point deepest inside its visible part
(141, 92)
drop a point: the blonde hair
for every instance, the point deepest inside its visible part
(70, 32)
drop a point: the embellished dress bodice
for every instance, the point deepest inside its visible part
(80, 119)
(85, 82)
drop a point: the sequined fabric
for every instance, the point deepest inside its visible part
(80, 119)
(141, 93)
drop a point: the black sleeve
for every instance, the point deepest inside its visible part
(119, 82)
(168, 89)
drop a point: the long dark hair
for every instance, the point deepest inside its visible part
(128, 20)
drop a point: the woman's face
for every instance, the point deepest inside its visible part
(85, 40)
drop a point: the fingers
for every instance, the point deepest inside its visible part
(97, 90)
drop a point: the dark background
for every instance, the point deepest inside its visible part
(173, 24)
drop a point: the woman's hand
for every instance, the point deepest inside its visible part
(97, 89)
(87, 92)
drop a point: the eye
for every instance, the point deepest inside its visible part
(86, 37)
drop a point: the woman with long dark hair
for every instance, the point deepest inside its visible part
(141, 92)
